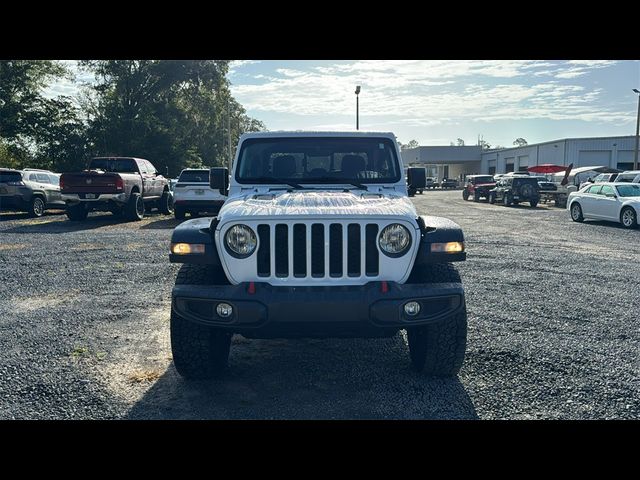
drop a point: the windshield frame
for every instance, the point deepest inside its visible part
(390, 144)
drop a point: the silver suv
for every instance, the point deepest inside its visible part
(29, 190)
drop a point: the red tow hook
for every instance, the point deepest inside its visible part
(251, 290)
(384, 287)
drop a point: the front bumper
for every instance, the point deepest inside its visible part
(99, 197)
(317, 311)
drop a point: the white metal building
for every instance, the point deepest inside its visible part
(445, 161)
(614, 152)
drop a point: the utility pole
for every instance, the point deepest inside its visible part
(635, 155)
(229, 131)
(358, 107)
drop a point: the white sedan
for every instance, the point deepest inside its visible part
(618, 202)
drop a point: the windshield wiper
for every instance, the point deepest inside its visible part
(278, 180)
(339, 180)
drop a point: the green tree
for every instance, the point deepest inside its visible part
(176, 113)
(411, 144)
(520, 142)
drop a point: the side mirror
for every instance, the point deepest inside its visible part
(219, 179)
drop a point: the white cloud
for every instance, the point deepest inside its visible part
(427, 93)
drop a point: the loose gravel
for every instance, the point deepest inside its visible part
(553, 329)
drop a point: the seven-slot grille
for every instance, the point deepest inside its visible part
(318, 250)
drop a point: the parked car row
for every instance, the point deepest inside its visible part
(418, 181)
(124, 186)
(30, 190)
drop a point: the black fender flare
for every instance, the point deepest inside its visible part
(196, 231)
(438, 230)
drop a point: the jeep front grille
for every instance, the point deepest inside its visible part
(318, 250)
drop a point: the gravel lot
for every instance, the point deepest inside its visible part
(554, 310)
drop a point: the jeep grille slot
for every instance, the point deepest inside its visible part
(353, 250)
(318, 250)
(281, 246)
(264, 251)
(299, 250)
(371, 254)
(335, 250)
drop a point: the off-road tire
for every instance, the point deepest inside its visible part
(77, 212)
(37, 206)
(507, 200)
(576, 212)
(199, 352)
(165, 204)
(476, 196)
(465, 194)
(628, 217)
(533, 203)
(135, 207)
(438, 349)
(492, 198)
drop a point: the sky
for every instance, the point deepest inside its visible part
(438, 101)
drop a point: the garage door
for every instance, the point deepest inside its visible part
(523, 163)
(509, 164)
(593, 158)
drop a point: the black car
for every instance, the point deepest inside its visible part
(511, 190)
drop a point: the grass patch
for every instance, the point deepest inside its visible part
(79, 352)
(140, 376)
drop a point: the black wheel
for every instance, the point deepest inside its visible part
(507, 200)
(533, 203)
(77, 212)
(179, 213)
(526, 190)
(412, 192)
(36, 206)
(135, 207)
(561, 202)
(166, 204)
(476, 196)
(438, 349)
(465, 194)
(576, 212)
(199, 352)
(492, 198)
(628, 217)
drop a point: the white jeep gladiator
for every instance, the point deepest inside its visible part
(317, 238)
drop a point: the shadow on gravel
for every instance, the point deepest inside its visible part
(64, 225)
(164, 223)
(309, 379)
(603, 223)
(8, 216)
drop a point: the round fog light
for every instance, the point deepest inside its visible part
(412, 308)
(224, 310)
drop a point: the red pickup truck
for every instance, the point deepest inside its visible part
(122, 185)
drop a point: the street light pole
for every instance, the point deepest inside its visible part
(635, 155)
(357, 107)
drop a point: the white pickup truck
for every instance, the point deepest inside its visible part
(317, 238)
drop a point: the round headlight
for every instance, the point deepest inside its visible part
(240, 241)
(394, 240)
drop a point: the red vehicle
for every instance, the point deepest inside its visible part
(478, 186)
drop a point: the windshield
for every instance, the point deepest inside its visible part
(118, 165)
(632, 190)
(194, 176)
(318, 160)
(486, 179)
